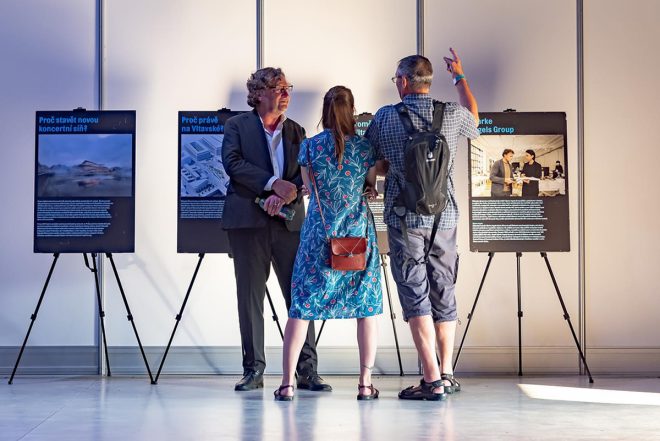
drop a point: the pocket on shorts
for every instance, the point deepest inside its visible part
(458, 258)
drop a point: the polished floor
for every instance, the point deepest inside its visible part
(207, 408)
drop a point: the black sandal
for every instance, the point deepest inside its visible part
(373, 395)
(280, 397)
(454, 385)
(424, 391)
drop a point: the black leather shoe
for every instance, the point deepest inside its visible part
(314, 383)
(251, 380)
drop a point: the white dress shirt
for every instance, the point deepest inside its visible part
(276, 149)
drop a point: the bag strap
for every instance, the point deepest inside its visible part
(404, 116)
(434, 230)
(436, 122)
(438, 116)
(310, 171)
(427, 249)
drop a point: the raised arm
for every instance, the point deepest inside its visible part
(465, 97)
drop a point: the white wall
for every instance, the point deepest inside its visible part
(161, 58)
(517, 54)
(164, 56)
(48, 63)
(348, 43)
(622, 66)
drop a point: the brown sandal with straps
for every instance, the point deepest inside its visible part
(281, 397)
(425, 391)
(453, 386)
(373, 395)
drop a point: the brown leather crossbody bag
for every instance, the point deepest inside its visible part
(346, 253)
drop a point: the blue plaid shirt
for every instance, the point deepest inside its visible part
(387, 135)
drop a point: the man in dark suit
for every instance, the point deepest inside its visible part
(259, 153)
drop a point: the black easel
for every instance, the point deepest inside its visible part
(94, 270)
(544, 255)
(183, 306)
(383, 263)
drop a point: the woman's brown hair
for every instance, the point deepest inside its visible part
(338, 109)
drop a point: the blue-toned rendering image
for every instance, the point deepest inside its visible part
(202, 172)
(86, 165)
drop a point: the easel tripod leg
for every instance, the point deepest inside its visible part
(474, 305)
(520, 314)
(567, 317)
(318, 336)
(33, 317)
(383, 262)
(129, 316)
(178, 318)
(275, 318)
(94, 270)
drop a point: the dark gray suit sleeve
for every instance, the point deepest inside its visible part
(239, 170)
(494, 171)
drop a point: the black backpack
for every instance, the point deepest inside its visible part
(426, 170)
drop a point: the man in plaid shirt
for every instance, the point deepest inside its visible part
(426, 290)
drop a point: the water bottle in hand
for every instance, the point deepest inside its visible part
(286, 213)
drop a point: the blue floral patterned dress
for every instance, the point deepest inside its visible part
(319, 292)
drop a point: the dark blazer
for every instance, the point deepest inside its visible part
(531, 171)
(497, 178)
(246, 159)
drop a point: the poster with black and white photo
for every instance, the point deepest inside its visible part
(84, 182)
(202, 182)
(518, 175)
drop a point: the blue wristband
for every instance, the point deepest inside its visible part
(458, 78)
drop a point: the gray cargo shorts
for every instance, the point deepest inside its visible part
(425, 289)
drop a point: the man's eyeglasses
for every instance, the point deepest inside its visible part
(395, 78)
(281, 89)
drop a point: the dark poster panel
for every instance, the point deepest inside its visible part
(523, 206)
(84, 182)
(202, 182)
(377, 206)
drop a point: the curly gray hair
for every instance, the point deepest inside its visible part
(262, 79)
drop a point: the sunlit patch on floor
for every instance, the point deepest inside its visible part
(584, 395)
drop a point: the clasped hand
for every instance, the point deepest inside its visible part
(286, 190)
(285, 193)
(370, 192)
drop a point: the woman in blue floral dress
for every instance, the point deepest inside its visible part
(343, 167)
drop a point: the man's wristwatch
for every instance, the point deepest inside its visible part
(458, 78)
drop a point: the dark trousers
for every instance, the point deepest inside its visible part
(254, 249)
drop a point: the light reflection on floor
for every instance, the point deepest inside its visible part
(585, 395)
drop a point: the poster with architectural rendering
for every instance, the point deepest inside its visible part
(202, 182)
(84, 182)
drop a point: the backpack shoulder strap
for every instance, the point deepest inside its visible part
(404, 116)
(438, 115)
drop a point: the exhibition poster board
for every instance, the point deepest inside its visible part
(203, 182)
(84, 182)
(517, 203)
